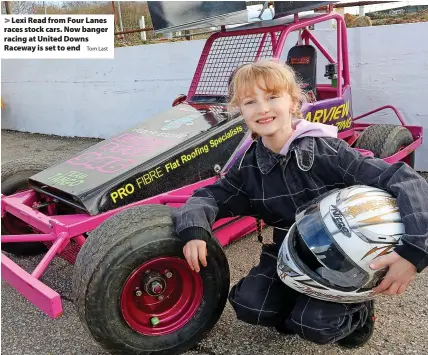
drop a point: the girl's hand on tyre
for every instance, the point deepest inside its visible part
(195, 251)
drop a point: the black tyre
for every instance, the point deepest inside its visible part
(135, 292)
(385, 140)
(14, 178)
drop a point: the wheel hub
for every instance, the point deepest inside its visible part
(161, 296)
(153, 283)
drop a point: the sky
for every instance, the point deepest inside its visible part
(255, 9)
(371, 8)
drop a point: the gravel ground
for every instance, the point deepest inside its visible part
(402, 326)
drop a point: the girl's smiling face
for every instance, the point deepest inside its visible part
(267, 114)
(268, 97)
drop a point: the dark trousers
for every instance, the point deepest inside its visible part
(261, 298)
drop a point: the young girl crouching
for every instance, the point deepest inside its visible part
(290, 163)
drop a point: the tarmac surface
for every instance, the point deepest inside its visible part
(402, 321)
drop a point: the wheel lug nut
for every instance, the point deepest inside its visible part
(168, 274)
(160, 298)
(138, 293)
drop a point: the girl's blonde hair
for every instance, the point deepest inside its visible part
(269, 75)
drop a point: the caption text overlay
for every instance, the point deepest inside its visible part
(57, 36)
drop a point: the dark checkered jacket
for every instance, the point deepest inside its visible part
(273, 187)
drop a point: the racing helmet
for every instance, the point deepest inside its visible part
(327, 252)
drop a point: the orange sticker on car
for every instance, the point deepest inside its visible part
(300, 60)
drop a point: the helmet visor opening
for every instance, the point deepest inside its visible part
(333, 264)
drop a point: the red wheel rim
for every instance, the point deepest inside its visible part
(171, 309)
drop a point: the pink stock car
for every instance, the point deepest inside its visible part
(107, 210)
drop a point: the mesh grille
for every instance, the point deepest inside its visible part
(225, 54)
